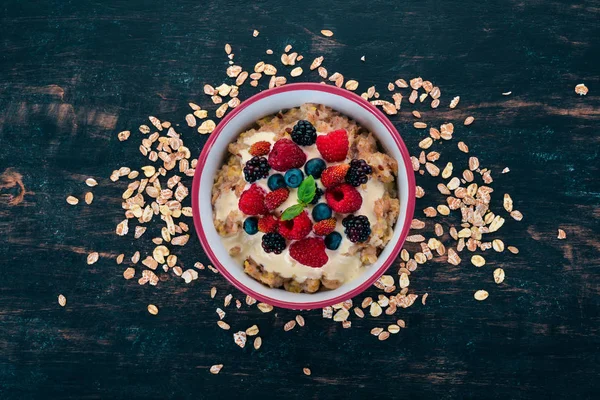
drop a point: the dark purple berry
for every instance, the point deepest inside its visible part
(304, 133)
(357, 227)
(256, 168)
(273, 243)
(357, 174)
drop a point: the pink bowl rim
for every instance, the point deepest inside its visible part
(410, 205)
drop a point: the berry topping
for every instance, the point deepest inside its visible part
(293, 177)
(268, 223)
(296, 228)
(256, 168)
(310, 252)
(252, 201)
(324, 227)
(276, 181)
(273, 243)
(357, 174)
(321, 211)
(251, 225)
(304, 133)
(285, 155)
(318, 193)
(276, 198)
(261, 148)
(315, 167)
(344, 198)
(357, 227)
(333, 240)
(334, 175)
(333, 146)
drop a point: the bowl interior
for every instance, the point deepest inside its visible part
(270, 102)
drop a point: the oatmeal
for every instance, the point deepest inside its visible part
(306, 199)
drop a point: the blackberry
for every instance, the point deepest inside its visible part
(273, 243)
(357, 174)
(318, 193)
(256, 168)
(357, 227)
(304, 133)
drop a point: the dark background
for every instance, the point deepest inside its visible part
(74, 73)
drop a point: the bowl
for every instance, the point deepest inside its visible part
(241, 118)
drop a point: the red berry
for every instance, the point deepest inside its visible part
(343, 199)
(296, 228)
(333, 146)
(252, 201)
(323, 227)
(261, 148)
(334, 175)
(310, 252)
(286, 155)
(276, 198)
(268, 223)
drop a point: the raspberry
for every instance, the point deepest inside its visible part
(343, 198)
(268, 223)
(261, 148)
(333, 146)
(357, 227)
(252, 201)
(324, 227)
(357, 174)
(297, 228)
(304, 133)
(276, 198)
(273, 243)
(310, 252)
(333, 176)
(256, 168)
(286, 155)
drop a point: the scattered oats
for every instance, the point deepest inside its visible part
(359, 313)
(478, 261)
(469, 120)
(152, 309)
(430, 212)
(420, 258)
(326, 33)
(346, 324)
(393, 329)
(240, 338)
(257, 343)
(453, 257)
(213, 292)
(375, 309)
(473, 163)
(62, 300)
(426, 143)
(72, 200)
(296, 72)
(145, 129)
(123, 136)
(89, 197)
(401, 323)
(513, 249)
(454, 102)
(351, 85)
(506, 170)
(156, 122)
(252, 331)
(498, 275)
(264, 307)
(300, 320)
(362, 58)
(341, 315)
(289, 325)
(508, 203)
(129, 273)
(517, 215)
(506, 93)
(92, 258)
(498, 245)
(383, 335)
(561, 234)
(91, 182)
(327, 312)
(206, 127)
(215, 369)
(432, 169)
(404, 281)
(120, 258)
(223, 325)
(581, 89)
(376, 331)
(306, 371)
(190, 120)
(420, 125)
(481, 295)
(269, 51)
(255, 33)
(463, 147)
(424, 298)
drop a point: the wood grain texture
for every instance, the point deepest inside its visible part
(73, 74)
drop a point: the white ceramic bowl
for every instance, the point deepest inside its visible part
(270, 102)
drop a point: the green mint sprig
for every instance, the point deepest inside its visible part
(306, 193)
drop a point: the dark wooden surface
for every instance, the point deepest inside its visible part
(74, 73)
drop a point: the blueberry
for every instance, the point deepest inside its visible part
(251, 225)
(333, 240)
(294, 177)
(276, 181)
(321, 211)
(315, 167)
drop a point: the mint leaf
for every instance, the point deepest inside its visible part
(307, 190)
(292, 212)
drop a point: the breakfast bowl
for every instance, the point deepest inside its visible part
(245, 116)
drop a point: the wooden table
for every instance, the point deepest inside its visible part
(73, 75)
